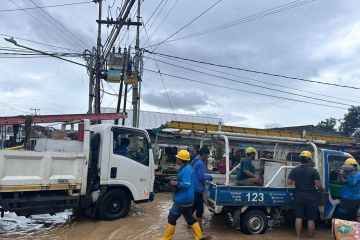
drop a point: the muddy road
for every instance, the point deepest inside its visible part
(146, 221)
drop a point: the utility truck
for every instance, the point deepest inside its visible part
(254, 208)
(100, 175)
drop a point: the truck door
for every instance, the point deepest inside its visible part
(130, 161)
(333, 160)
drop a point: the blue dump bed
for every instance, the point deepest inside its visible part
(222, 195)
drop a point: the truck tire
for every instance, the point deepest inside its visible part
(115, 204)
(254, 221)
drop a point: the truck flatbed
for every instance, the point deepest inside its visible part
(222, 195)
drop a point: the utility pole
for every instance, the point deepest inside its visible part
(91, 80)
(35, 110)
(135, 94)
(123, 72)
(126, 76)
(98, 63)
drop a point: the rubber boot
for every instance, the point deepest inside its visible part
(199, 220)
(169, 232)
(196, 231)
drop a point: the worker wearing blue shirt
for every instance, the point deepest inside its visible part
(350, 191)
(183, 198)
(200, 178)
(122, 149)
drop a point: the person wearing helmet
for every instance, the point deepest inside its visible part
(306, 178)
(246, 174)
(350, 190)
(200, 178)
(183, 198)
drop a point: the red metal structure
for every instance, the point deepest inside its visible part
(14, 120)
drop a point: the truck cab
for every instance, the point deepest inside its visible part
(100, 175)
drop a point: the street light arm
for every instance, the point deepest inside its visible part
(13, 41)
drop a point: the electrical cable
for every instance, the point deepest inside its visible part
(260, 81)
(52, 30)
(62, 25)
(158, 14)
(246, 91)
(36, 42)
(187, 24)
(254, 71)
(161, 78)
(161, 23)
(254, 85)
(250, 18)
(41, 7)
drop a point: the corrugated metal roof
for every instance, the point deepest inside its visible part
(150, 120)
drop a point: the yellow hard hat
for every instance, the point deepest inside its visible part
(183, 155)
(250, 150)
(306, 154)
(351, 161)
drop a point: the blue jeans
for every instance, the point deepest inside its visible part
(177, 210)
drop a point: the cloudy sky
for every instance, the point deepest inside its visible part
(319, 40)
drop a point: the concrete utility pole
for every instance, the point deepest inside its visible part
(123, 72)
(91, 80)
(98, 63)
(126, 78)
(135, 95)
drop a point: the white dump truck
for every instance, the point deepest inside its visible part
(100, 176)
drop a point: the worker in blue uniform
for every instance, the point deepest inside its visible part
(183, 198)
(122, 148)
(200, 179)
(350, 190)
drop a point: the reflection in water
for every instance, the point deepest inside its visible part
(146, 221)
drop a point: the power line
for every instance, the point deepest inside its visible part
(52, 30)
(152, 14)
(254, 71)
(161, 78)
(161, 23)
(260, 81)
(60, 24)
(250, 18)
(45, 53)
(41, 7)
(36, 42)
(254, 85)
(246, 91)
(187, 24)
(158, 14)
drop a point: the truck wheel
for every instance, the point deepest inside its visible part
(254, 222)
(115, 204)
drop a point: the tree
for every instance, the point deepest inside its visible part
(351, 121)
(327, 124)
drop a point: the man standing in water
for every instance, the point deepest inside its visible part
(200, 178)
(183, 198)
(305, 178)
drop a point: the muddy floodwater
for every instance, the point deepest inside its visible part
(146, 221)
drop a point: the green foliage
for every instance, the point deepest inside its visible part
(327, 124)
(351, 121)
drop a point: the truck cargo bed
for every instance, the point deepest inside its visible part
(32, 171)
